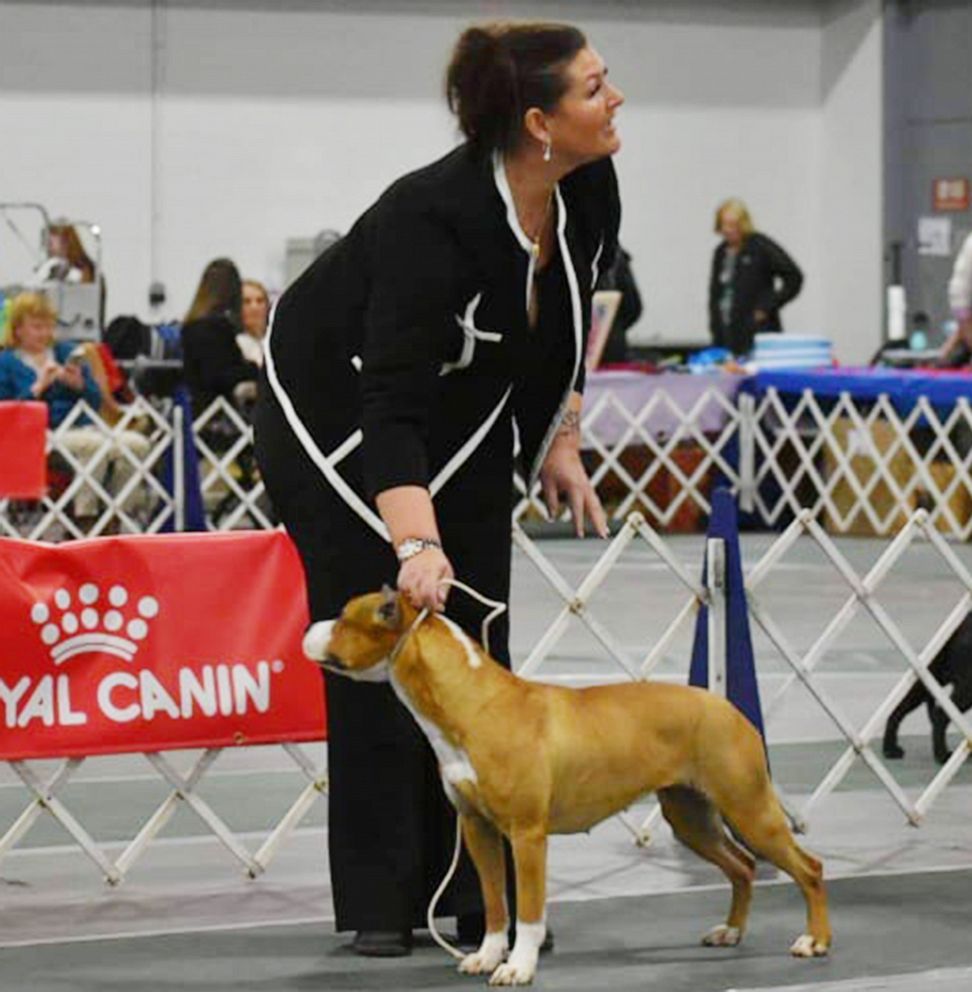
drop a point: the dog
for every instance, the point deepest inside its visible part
(524, 760)
(953, 664)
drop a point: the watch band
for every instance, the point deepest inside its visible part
(413, 546)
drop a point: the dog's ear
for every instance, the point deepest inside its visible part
(389, 612)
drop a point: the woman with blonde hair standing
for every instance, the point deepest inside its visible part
(751, 279)
(395, 367)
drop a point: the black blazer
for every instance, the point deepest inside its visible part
(761, 263)
(406, 336)
(212, 361)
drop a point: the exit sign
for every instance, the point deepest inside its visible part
(950, 194)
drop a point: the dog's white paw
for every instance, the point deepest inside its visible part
(514, 973)
(491, 953)
(805, 946)
(722, 936)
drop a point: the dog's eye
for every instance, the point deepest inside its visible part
(388, 612)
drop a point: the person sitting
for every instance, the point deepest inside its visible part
(35, 367)
(66, 261)
(256, 313)
(212, 361)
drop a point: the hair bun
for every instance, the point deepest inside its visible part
(497, 71)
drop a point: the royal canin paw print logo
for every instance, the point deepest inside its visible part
(94, 621)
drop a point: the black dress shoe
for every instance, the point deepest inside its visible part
(382, 943)
(471, 928)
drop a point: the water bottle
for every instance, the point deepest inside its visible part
(918, 339)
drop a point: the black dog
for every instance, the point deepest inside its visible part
(953, 664)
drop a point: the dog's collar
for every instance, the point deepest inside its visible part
(400, 643)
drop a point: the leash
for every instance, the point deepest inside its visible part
(497, 609)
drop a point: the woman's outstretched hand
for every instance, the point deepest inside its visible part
(563, 474)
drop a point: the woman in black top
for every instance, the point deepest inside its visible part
(212, 362)
(752, 278)
(395, 369)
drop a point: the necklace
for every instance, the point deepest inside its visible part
(536, 239)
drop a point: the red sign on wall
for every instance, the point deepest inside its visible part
(152, 642)
(950, 194)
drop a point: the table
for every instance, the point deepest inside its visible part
(903, 387)
(633, 390)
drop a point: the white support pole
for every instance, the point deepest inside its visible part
(715, 557)
(747, 453)
(178, 470)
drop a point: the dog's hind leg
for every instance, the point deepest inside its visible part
(756, 815)
(917, 695)
(485, 845)
(697, 824)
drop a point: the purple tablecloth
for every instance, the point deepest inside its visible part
(634, 389)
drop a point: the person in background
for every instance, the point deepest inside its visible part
(212, 362)
(35, 367)
(394, 369)
(752, 278)
(256, 311)
(620, 277)
(66, 261)
(957, 350)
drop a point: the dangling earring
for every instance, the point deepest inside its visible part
(547, 150)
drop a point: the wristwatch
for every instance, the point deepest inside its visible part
(413, 546)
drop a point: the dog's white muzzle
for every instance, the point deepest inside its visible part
(316, 640)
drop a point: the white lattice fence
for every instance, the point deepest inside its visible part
(860, 466)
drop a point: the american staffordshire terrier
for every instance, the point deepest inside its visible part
(524, 760)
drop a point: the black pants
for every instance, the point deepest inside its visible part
(391, 829)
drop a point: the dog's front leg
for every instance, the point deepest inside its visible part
(530, 858)
(485, 845)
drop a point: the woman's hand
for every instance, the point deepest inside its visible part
(563, 473)
(47, 375)
(420, 579)
(71, 376)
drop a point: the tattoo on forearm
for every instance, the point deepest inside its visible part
(570, 424)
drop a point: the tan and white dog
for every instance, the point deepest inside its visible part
(525, 760)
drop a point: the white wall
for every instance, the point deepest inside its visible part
(852, 188)
(193, 130)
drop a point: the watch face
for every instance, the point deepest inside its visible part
(411, 546)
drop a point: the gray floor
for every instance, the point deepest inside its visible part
(625, 916)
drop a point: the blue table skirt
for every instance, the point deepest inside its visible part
(902, 386)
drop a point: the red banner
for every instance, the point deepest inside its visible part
(23, 463)
(152, 642)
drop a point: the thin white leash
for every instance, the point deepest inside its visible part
(498, 608)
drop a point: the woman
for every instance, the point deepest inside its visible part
(256, 311)
(395, 367)
(212, 362)
(34, 367)
(752, 278)
(67, 261)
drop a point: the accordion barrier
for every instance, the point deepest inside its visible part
(816, 465)
(149, 645)
(862, 452)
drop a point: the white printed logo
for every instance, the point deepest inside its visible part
(113, 625)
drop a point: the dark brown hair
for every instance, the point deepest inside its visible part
(220, 292)
(499, 71)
